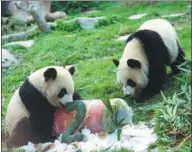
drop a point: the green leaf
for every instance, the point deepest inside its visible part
(108, 105)
(175, 110)
(119, 133)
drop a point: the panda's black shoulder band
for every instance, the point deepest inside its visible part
(40, 110)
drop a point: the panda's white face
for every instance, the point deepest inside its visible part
(55, 83)
(132, 69)
(131, 76)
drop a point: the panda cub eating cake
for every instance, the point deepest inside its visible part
(142, 67)
(30, 112)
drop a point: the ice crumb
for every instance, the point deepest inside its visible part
(133, 137)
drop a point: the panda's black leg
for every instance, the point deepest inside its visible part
(146, 94)
(23, 133)
(180, 59)
(157, 79)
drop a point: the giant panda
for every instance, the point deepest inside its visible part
(31, 110)
(142, 67)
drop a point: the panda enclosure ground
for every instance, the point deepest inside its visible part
(92, 52)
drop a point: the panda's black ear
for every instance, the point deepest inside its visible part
(50, 73)
(71, 70)
(116, 62)
(134, 63)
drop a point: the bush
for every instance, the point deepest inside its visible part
(107, 21)
(72, 7)
(173, 123)
(68, 26)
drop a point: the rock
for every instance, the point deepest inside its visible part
(4, 20)
(91, 12)
(8, 59)
(22, 14)
(17, 13)
(123, 38)
(88, 22)
(174, 15)
(25, 44)
(55, 15)
(138, 16)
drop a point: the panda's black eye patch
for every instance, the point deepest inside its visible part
(131, 83)
(62, 93)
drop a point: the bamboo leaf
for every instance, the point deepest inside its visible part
(108, 105)
(175, 109)
(119, 130)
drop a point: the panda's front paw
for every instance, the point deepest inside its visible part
(53, 138)
(139, 97)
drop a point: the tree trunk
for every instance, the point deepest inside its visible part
(34, 7)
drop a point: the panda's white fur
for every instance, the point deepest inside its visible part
(167, 33)
(50, 89)
(15, 112)
(124, 71)
(164, 35)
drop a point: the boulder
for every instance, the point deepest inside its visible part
(55, 15)
(174, 15)
(22, 14)
(88, 22)
(123, 38)
(25, 44)
(137, 16)
(91, 12)
(8, 59)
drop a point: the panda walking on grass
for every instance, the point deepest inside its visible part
(142, 67)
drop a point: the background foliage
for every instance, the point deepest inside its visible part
(72, 7)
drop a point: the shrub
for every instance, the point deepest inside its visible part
(173, 123)
(68, 26)
(107, 21)
(72, 7)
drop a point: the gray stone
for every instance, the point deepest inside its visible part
(18, 9)
(123, 38)
(25, 44)
(137, 16)
(91, 12)
(174, 15)
(8, 59)
(88, 22)
(55, 15)
(4, 20)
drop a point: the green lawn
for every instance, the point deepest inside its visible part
(92, 52)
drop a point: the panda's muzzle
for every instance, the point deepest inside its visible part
(66, 99)
(128, 90)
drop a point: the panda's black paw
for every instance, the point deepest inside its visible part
(140, 100)
(140, 97)
(53, 138)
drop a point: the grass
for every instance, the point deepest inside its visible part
(92, 52)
